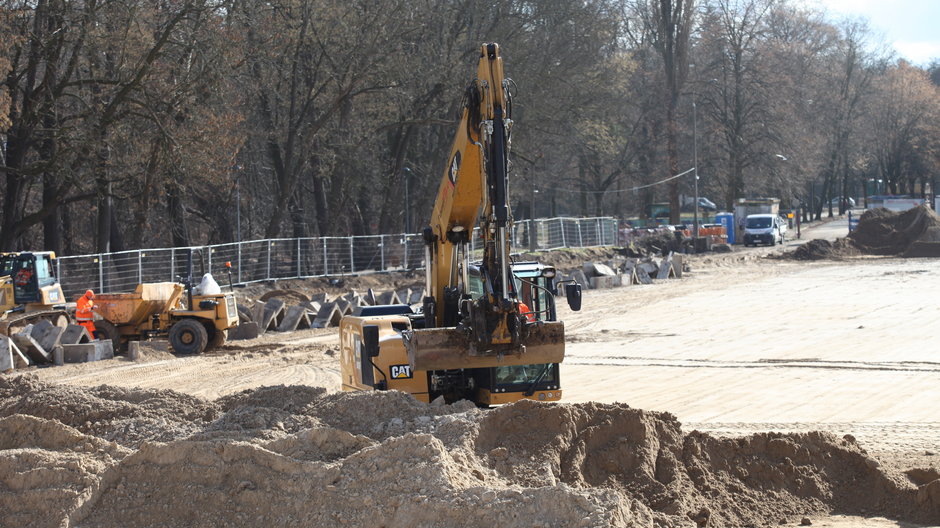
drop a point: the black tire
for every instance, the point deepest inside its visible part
(108, 331)
(188, 337)
(219, 337)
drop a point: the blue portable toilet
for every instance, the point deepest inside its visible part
(726, 220)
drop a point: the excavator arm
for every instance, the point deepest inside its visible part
(487, 331)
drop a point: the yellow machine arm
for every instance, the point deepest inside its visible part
(487, 331)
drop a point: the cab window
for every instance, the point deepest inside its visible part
(524, 374)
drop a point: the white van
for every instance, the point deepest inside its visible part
(767, 229)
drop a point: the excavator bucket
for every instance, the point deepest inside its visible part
(449, 348)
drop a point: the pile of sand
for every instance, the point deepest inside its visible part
(296, 456)
(911, 233)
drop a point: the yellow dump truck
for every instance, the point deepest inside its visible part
(192, 323)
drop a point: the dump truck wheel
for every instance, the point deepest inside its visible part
(109, 331)
(218, 338)
(188, 336)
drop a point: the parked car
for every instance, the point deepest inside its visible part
(704, 204)
(835, 202)
(767, 229)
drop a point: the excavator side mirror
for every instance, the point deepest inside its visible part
(573, 294)
(370, 340)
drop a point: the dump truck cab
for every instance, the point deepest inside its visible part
(373, 355)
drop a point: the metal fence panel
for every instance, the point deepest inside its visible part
(287, 258)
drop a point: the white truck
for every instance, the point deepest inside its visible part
(767, 229)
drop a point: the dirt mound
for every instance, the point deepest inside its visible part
(315, 459)
(911, 233)
(820, 249)
(126, 416)
(883, 232)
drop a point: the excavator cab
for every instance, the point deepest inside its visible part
(534, 286)
(30, 277)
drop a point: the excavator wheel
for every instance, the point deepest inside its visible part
(109, 331)
(219, 337)
(188, 337)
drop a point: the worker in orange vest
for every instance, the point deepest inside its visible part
(525, 311)
(83, 311)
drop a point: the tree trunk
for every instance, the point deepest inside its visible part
(179, 228)
(51, 224)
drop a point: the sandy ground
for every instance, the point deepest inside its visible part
(741, 344)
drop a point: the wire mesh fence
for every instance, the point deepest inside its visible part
(290, 258)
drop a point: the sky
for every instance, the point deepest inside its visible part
(911, 27)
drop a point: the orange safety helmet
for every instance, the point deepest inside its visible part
(89, 294)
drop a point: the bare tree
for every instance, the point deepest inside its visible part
(905, 114)
(669, 24)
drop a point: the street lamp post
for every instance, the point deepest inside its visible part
(238, 204)
(533, 231)
(405, 172)
(695, 162)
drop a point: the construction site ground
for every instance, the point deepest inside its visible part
(741, 344)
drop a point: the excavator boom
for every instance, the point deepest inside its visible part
(461, 330)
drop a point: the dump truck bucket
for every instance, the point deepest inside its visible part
(450, 348)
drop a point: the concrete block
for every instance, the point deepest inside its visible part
(352, 295)
(74, 334)
(642, 277)
(385, 298)
(105, 349)
(6, 354)
(345, 307)
(10, 355)
(329, 315)
(650, 268)
(665, 269)
(596, 269)
(403, 295)
(630, 277)
(135, 349)
(677, 264)
(273, 314)
(247, 330)
(417, 296)
(312, 306)
(579, 277)
(257, 313)
(58, 357)
(87, 352)
(294, 318)
(319, 297)
(604, 282)
(29, 346)
(48, 336)
(41, 326)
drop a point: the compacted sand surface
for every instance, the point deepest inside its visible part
(755, 391)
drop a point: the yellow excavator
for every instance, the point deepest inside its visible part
(487, 330)
(29, 291)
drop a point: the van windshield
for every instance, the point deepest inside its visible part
(761, 222)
